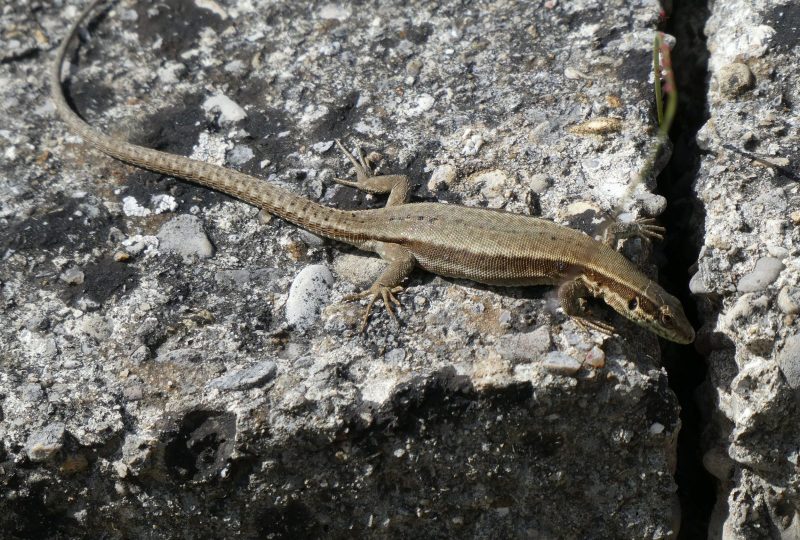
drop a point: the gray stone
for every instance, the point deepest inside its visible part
(763, 275)
(240, 154)
(32, 392)
(184, 236)
(180, 356)
(697, 284)
(527, 347)
(229, 111)
(789, 361)
(250, 377)
(46, 442)
(560, 363)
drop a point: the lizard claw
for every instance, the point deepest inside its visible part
(585, 324)
(648, 229)
(387, 294)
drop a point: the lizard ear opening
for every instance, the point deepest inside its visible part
(633, 303)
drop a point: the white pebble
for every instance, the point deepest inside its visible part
(309, 291)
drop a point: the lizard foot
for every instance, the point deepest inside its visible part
(647, 228)
(387, 294)
(644, 228)
(363, 170)
(396, 185)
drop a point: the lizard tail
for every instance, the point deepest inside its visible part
(317, 218)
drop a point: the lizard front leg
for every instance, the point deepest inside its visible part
(573, 294)
(396, 185)
(641, 228)
(401, 263)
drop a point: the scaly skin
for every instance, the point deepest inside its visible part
(487, 246)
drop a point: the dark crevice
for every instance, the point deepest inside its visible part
(684, 217)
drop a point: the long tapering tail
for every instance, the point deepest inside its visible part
(317, 218)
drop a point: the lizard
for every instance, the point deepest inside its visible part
(488, 246)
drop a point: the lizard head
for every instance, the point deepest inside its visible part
(655, 309)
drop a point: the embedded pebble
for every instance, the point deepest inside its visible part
(765, 273)
(180, 356)
(184, 236)
(310, 238)
(229, 110)
(505, 318)
(735, 79)
(697, 285)
(171, 72)
(652, 204)
(236, 68)
(789, 361)
(243, 379)
(308, 293)
(72, 276)
(31, 392)
(561, 363)
(472, 145)
(322, 147)
(525, 347)
(595, 358)
(37, 321)
(442, 176)
(539, 182)
(492, 183)
(422, 104)
(240, 154)
(395, 356)
(333, 11)
(45, 442)
(789, 300)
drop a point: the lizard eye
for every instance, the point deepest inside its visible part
(666, 318)
(633, 303)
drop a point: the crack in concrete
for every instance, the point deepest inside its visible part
(685, 366)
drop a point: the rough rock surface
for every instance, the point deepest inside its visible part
(155, 394)
(749, 270)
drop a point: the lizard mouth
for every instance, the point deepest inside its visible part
(684, 336)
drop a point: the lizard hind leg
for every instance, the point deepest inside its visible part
(401, 263)
(396, 185)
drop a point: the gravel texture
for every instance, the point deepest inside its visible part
(748, 271)
(153, 382)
